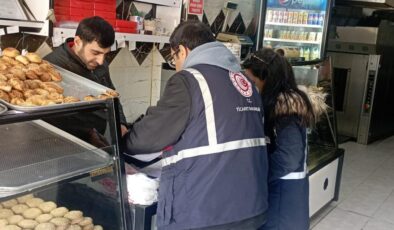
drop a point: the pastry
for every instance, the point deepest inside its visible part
(9, 203)
(34, 202)
(88, 227)
(4, 96)
(29, 92)
(70, 99)
(11, 52)
(60, 221)
(47, 207)
(33, 84)
(30, 74)
(59, 212)
(77, 221)
(45, 77)
(5, 86)
(53, 85)
(3, 222)
(35, 68)
(32, 213)
(72, 215)
(86, 221)
(98, 227)
(23, 199)
(55, 76)
(29, 224)
(42, 92)
(112, 93)
(103, 96)
(17, 84)
(17, 101)
(45, 226)
(14, 219)
(43, 218)
(15, 94)
(11, 227)
(18, 73)
(19, 208)
(89, 98)
(33, 57)
(3, 77)
(22, 59)
(74, 227)
(5, 213)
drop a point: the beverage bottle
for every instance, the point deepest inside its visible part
(285, 16)
(315, 53)
(290, 18)
(306, 53)
(305, 19)
(315, 19)
(300, 17)
(295, 17)
(301, 52)
(269, 16)
(280, 17)
(274, 16)
(321, 19)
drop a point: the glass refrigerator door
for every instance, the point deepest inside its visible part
(297, 27)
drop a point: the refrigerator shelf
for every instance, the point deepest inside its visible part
(291, 41)
(294, 25)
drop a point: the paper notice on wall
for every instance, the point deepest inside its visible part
(196, 7)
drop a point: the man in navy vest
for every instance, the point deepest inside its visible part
(209, 124)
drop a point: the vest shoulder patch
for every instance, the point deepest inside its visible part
(241, 83)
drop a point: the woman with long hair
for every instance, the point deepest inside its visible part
(288, 112)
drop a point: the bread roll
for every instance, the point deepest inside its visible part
(11, 227)
(59, 212)
(11, 52)
(86, 221)
(29, 224)
(32, 213)
(43, 218)
(70, 99)
(77, 221)
(19, 208)
(60, 221)
(89, 98)
(47, 207)
(88, 227)
(74, 227)
(72, 215)
(10, 203)
(98, 227)
(45, 226)
(33, 57)
(34, 202)
(22, 59)
(5, 213)
(14, 219)
(3, 222)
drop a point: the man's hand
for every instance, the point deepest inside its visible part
(123, 130)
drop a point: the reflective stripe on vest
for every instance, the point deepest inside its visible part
(213, 147)
(299, 175)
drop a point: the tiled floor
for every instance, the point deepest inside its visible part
(366, 200)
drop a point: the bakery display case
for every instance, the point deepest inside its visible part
(60, 167)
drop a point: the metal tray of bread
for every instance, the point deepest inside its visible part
(35, 154)
(73, 85)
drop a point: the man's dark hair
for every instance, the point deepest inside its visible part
(191, 34)
(96, 29)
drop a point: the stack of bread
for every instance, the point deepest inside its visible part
(29, 212)
(30, 81)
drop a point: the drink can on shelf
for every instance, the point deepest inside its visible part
(321, 19)
(315, 19)
(274, 16)
(290, 17)
(280, 17)
(310, 19)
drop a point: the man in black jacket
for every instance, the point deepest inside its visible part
(85, 55)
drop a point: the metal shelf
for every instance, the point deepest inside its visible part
(294, 25)
(291, 41)
(24, 25)
(62, 33)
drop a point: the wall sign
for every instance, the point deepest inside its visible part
(196, 7)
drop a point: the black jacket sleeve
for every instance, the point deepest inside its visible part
(163, 124)
(290, 149)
